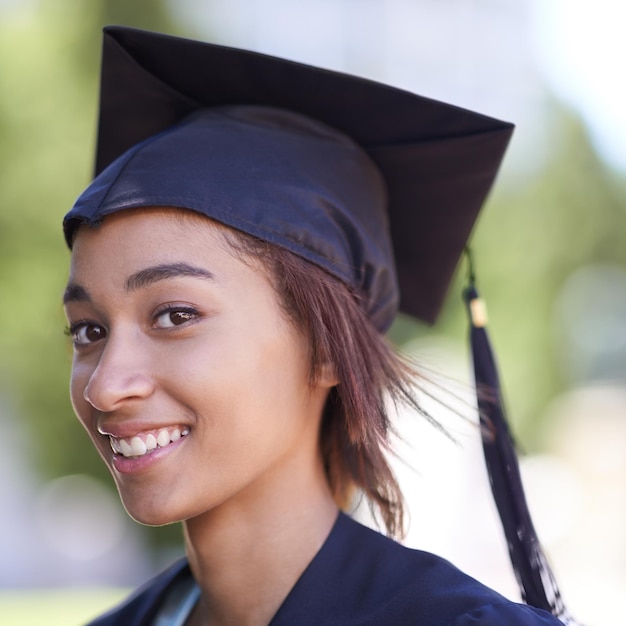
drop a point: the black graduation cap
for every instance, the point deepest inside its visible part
(438, 161)
(294, 154)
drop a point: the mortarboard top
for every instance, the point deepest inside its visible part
(438, 161)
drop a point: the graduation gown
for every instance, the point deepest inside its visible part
(361, 578)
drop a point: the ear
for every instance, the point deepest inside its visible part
(327, 377)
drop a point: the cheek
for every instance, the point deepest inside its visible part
(254, 380)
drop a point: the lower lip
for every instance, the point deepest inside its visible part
(135, 464)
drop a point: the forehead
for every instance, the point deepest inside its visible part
(167, 225)
(129, 240)
(125, 222)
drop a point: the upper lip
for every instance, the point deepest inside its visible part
(125, 430)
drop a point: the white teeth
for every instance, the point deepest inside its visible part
(139, 447)
(125, 448)
(136, 446)
(164, 438)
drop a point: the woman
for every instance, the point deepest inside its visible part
(232, 276)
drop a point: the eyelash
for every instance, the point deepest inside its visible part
(190, 313)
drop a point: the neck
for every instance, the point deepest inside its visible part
(247, 554)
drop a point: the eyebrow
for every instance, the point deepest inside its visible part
(143, 278)
(150, 275)
(75, 293)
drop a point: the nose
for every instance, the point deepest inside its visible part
(121, 376)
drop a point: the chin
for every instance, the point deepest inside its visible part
(151, 517)
(150, 510)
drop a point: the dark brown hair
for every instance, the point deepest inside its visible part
(356, 429)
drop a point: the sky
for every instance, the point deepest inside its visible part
(581, 48)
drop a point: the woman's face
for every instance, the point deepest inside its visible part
(188, 378)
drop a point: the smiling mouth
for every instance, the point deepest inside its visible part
(144, 443)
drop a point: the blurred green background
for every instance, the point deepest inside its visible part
(550, 247)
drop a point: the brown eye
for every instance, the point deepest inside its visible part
(175, 317)
(84, 333)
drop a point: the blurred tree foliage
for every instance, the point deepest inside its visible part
(537, 229)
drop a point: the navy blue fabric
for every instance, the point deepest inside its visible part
(360, 578)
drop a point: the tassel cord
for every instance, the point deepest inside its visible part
(537, 582)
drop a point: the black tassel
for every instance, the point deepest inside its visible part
(534, 576)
